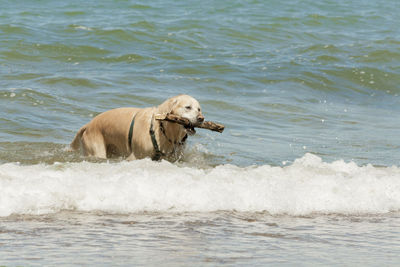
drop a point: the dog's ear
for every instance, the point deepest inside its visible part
(172, 105)
(168, 106)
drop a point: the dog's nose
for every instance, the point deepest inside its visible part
(200, 118)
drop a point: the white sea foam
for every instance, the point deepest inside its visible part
(307, 186)
(79, 27)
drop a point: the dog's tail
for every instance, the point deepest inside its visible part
(76, 143)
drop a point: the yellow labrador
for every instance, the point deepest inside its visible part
(135, 134)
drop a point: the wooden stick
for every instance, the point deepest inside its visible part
(185, 122)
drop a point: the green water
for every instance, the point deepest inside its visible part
(285, 77)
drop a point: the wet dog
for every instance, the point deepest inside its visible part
(134, 133)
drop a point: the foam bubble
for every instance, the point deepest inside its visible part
(307, 186)
(80, 27)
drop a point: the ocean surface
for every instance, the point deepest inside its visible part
(306, 173)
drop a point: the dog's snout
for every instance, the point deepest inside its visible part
(200, 118)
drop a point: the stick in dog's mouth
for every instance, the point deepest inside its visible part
(189, 126)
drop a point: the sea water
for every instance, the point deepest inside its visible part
(306, 172)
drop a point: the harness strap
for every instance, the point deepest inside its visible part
(131, 132)
(157, 156)
(183, 140)
(164, 133)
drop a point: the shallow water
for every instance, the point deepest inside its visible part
(307, 170)
(204, 239)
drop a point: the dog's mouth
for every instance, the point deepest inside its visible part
(190, 130)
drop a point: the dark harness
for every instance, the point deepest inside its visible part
(158, 154)
(131, 132)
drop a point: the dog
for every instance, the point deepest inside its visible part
(134, 133)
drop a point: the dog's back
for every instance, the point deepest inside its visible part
(106, 134)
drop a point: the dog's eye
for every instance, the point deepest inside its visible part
(188, 107)
(198, 109)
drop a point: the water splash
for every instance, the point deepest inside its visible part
(307, 186)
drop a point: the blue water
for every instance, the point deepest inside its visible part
(309, 95)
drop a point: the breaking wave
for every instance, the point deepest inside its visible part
(307, 186)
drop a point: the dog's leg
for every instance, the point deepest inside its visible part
(93, 145)
(131, 157)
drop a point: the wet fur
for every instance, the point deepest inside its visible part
(107, 134)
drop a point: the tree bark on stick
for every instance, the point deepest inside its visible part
(185, 122)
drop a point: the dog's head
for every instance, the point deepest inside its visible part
(186, 107)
